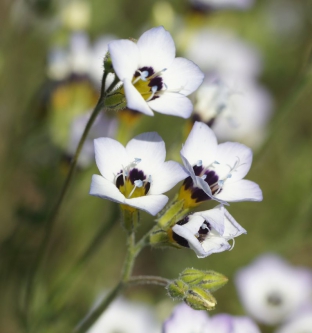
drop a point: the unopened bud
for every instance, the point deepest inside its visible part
(200, 299)
(212, 281)
(177, 289)
(208, 280)
(192, 276)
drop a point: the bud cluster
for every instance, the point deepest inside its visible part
(194, 287)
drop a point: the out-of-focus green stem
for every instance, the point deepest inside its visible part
(293, 97)
(148, 279)
(51, 221)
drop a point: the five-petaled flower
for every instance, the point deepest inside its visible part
(153, 79)
(216, 171)
(136, 175)
(207, 232)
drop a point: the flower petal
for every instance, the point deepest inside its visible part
(150, 148)
(157, 49)
(232, 228)
(215, 217)
(110, 157)
(100, 187)
(184, 76)
(125, 58)
(151, 204)
(191, 239)
(214, 245)
(201, 144)
(242, 190)
(135, 101)
(231, 153)
(189, 169)
(174, 104)
(168, 175)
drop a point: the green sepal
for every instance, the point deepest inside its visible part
(177, 289)
(200, 299)
(208, 280)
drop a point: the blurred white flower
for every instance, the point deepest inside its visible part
(153, 79)
(236, 113)
(230, 100)
(216, 171)
(81, 58)
(271, 290)
(221, 4)
(299, 323)
(207, 232)
(221, 54)
(103, 126)
(135, 175)
(124, 316)
(186, 320)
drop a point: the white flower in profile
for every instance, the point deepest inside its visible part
(271, 290)
(207, 232)
(223, 4)
(102, 126)
(235, 112)
(216, 171)
(153, 79)
(124, 316)
(301, 322)
(135, 175)
(186, 320)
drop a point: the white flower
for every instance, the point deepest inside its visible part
(207, 232)
(103, 126)
(124, 316)
(153, 79)
(186, 320)
(235, 112)
(220, 4)
(300, 323)
(135, 175)
(216, 171)
(271, 290)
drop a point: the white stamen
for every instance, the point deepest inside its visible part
(203, 177)
(138, 183)
(154, 90)
(137, 160)
(204, 226)
(157, 74)
(199, 163)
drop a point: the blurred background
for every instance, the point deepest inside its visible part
(50, 69)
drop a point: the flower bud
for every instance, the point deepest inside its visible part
(192, 276)
(208, 280)
(200, 299)
(177, 289)
(213, 281)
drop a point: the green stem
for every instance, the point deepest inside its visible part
(133, 249)
(51, 221)
(148, 279)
